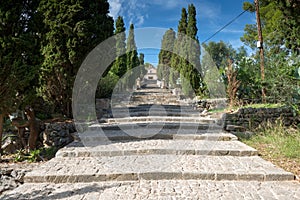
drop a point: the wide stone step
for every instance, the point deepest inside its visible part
(93, 138)
(162, 147)
(160, 119)
(158, 189)
(156, 167)
(155, 113)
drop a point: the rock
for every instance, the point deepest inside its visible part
(10, 145)
(235, 128)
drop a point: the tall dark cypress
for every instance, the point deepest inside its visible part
(165, 55)
(191, 69)
(74, 28)
(119, 67)
(176, 60)
(132, 55)
(132, 58)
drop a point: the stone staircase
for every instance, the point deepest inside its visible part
(154, 149)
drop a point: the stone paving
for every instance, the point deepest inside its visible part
(194, 159)
(158, 146)
(159, 189)
(158, 167)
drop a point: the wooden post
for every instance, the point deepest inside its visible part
(261, 50)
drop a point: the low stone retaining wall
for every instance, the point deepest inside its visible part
(247, 118)
(58, 134)
(211, 104)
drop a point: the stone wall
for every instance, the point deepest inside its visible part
(248, 118)
(58, 134)
(211, 104)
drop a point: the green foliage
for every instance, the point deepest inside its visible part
(176, 60)
(19, 54)
(32, 156)
(132, 57)
(280, 25)
(187, 65)
(165, 55)
(48, 152)
(120, 64)
(42, 154)
(72, 30)
(106, 85)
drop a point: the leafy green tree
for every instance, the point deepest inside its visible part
(220, 52)
(73, 30)
(280, 26)
(165, 55)
(120, 66)
(19, 55)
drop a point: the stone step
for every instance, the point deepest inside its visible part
(161, 119)
(143, 108)
(99, 132)
(156, 167)
(154, 113)
(159, 189)
(162, 147)
(96, 136)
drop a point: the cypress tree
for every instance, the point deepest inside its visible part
(176, 61)
(119, 67)
(74, 28)
(20, 39)
(132, 57)
(165, 55)
(191, 66)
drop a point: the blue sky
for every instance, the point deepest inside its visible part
(165, 14)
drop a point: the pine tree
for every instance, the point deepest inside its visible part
(119, 67)
(73, 30)
(165, 55)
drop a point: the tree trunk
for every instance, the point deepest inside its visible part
(33, 127)
(1, 132)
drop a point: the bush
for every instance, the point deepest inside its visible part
(106, 85)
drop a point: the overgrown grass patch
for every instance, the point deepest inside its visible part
(265, 105)
(278, 144)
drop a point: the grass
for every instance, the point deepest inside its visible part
(266, 105)
(278, 144)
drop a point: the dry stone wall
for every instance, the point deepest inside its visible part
(248, 118)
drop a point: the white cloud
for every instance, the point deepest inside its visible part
(132, 10)
(114, 8)
(169, 4)
(209, 10)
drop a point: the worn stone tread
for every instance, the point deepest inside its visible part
(157, 167)
(160, 119)
(144, 147)
(158, 189)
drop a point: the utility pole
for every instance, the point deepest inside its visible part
(261, 50)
